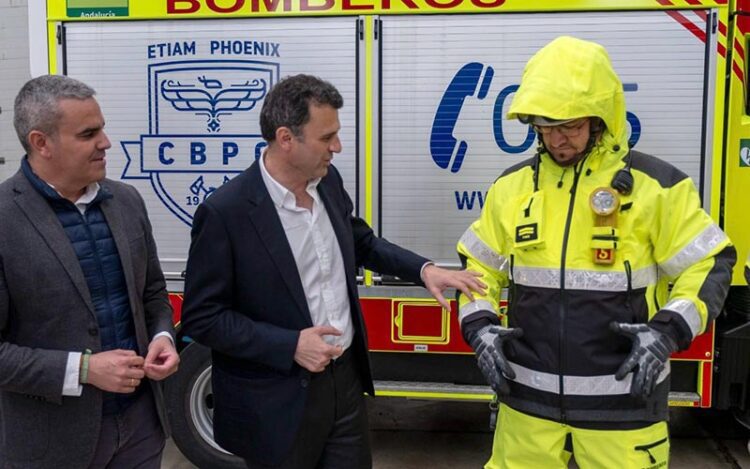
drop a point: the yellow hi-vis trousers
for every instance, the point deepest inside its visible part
(523, 441)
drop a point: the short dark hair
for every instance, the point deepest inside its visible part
(36, 106)
(288, 103)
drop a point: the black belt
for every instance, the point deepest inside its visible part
(342, 360)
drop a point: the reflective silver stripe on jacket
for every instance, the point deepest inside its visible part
(591, 280)
(603, 385)
(475, 306)
(688, 311)
(696, 250)
(483, 253)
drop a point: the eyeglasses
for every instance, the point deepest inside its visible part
(571, 129)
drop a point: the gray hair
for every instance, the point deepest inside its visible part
(36, 106)
(288, 103)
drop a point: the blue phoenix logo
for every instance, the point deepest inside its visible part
(212, 99)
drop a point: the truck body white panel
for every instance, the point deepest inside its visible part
(428, 207)
(14, 63)
(182, 101)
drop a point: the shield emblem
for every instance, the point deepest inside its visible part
(203, 128)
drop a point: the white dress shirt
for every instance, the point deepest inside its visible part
(318, 257)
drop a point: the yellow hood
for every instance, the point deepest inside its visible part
(570, 78)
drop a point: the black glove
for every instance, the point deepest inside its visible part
(650, 354)
(487, 342)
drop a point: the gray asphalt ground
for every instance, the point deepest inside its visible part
(412, 434)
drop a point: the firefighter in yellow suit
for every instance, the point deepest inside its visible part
(587, 236)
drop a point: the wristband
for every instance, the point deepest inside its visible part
(83, 377)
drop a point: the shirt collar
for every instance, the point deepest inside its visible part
(92, 190)
(281, 196)
(90, 195)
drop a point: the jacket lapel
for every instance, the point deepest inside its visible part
(265, 219)
(116, 224)
(338, 221)
(43, 219)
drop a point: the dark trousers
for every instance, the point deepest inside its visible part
(132, 439)
(334, 430)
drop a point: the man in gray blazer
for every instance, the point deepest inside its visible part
(85, 321)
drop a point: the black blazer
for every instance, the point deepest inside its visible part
(244, 299)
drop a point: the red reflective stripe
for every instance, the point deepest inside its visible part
(738, 71)
(740, 55)
(738, 48)
(701, 14)
(687, 24)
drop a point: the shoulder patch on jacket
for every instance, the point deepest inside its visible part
(518, 166)
(664, 173)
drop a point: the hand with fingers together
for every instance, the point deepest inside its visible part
(162, 359)
(436, 280)
(313, 353)
(119, 371)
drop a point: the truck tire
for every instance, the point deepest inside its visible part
(190, 410)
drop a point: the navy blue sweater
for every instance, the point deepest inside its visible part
(97, 254)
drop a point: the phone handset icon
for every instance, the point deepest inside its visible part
(473, 78)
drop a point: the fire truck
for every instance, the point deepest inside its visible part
(181, 83)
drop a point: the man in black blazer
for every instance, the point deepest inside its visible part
(271, 288)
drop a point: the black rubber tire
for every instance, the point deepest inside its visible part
(185, 391)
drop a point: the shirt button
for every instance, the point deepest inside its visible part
(93, 331)
(304, 382)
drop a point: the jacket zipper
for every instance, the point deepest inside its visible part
(629, 277)
(511, 292)
(563, 294)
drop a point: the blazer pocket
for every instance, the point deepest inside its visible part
(256, 416)
(25, 426)
(244, 394)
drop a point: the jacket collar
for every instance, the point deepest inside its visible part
(51, 195)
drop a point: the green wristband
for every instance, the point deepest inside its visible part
(83, 377)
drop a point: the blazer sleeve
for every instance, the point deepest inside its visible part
(209, 315)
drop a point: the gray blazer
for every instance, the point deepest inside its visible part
(46, 312)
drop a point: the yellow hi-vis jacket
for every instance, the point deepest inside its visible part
(540, 244)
